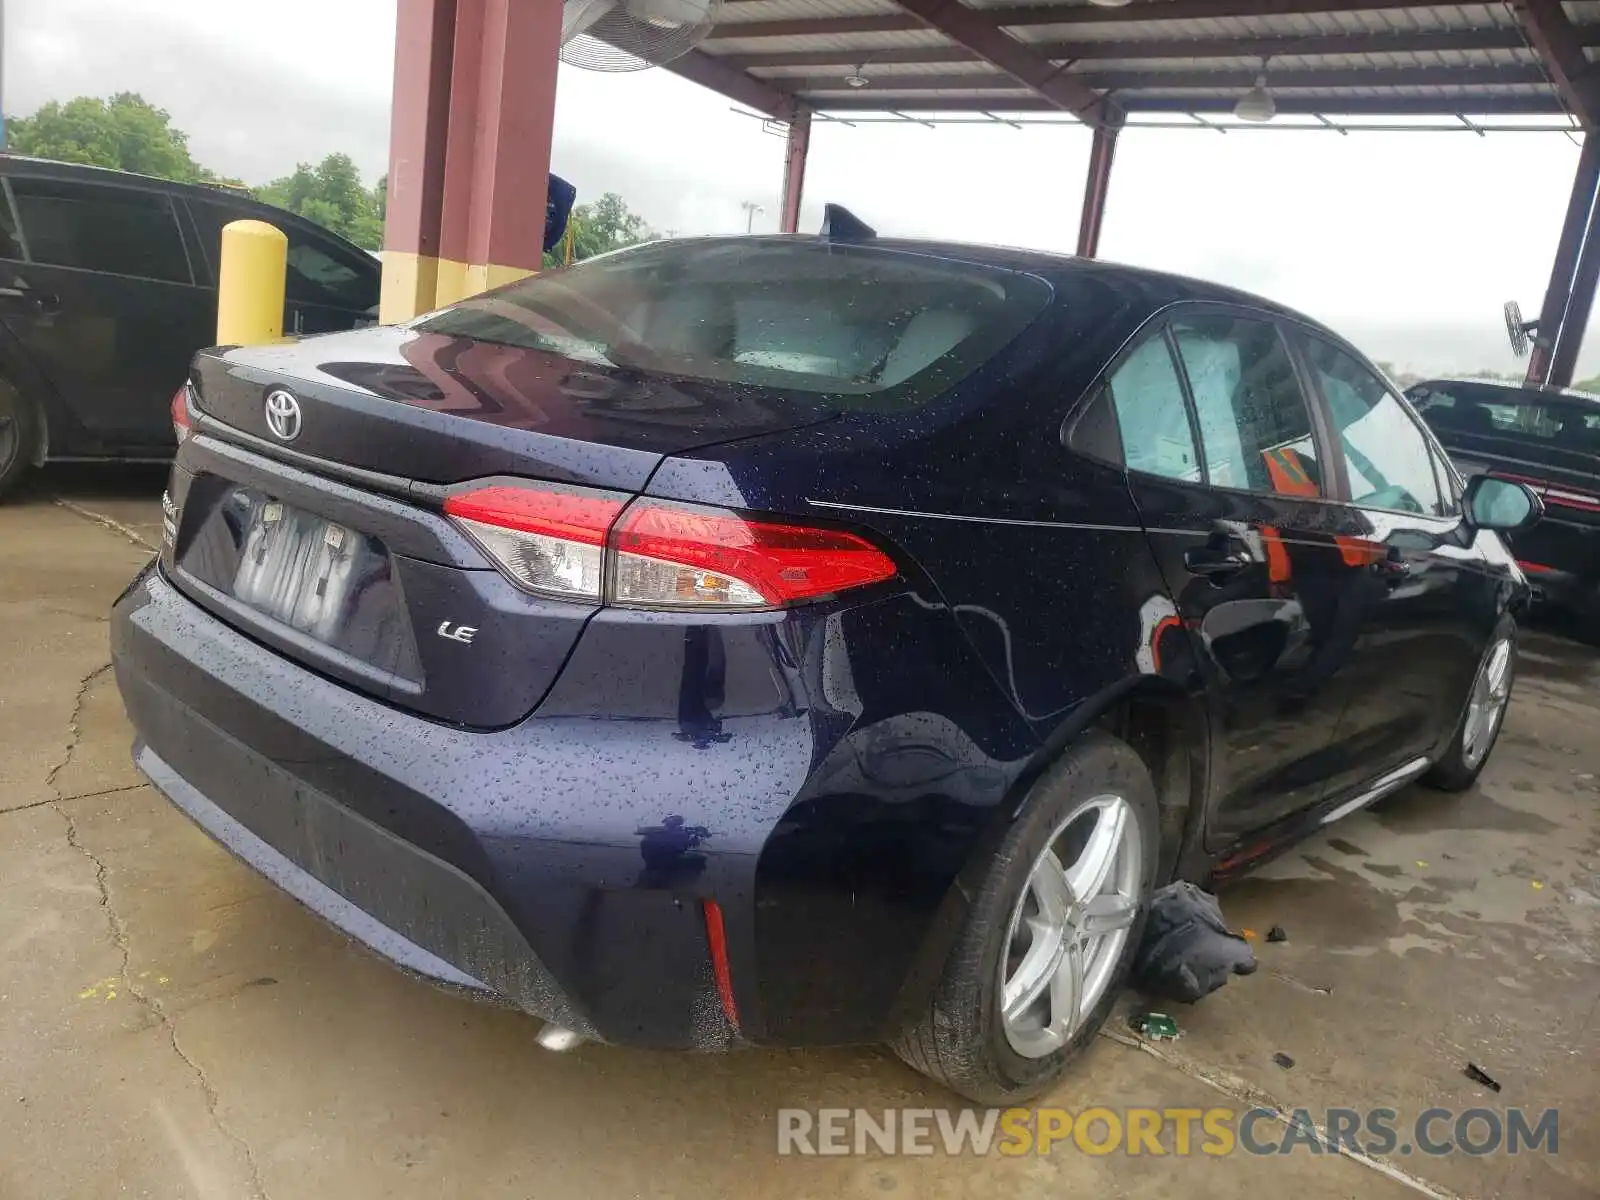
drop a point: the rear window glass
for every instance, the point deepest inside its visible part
(863, 327)
(1490, 412)
(319, 271)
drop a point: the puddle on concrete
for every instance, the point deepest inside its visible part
(1418, 810)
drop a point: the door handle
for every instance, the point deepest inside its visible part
(43, 301)
(1215, 562)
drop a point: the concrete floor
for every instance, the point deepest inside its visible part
(175, 1027)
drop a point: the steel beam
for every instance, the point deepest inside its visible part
(797, 147)
(1550, 340)
(1186, 49)
(1282, 82)
(1444, 105)
(765, 96)
(980, 33)
(1096, 184)
(1560, 45)
(1016, 15)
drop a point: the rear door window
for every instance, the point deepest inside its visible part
(1255, 425)
(319, 271)
(95, 227)
(862, 327)
(1153, 419)
(10, 243)
(1386, 456)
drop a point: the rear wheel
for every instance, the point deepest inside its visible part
(1051, 934)
(19, 435)
(1479, 727)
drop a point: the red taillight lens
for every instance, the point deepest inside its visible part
(671, 556)
(180, 413)
(1568, 498)
(568, 542)
(550, 539)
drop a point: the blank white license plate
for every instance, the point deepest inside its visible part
(297, 569)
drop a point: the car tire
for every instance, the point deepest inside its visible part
(19, 437)
(1463, 761)
(964, 1039)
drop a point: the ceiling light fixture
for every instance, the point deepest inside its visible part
(856, 79)
(1257, 105)
(1109, 3)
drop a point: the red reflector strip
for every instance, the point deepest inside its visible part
(717, 943)
(571, 516)
(784, 563)
(1535, 568)
(1582, 501)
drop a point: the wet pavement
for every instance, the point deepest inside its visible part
(176, 1027)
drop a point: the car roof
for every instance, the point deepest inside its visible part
(23, 164)
(49, 168)
(1518, 393)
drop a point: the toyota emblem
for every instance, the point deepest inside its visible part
(283, 415)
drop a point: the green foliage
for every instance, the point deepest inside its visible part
(607, 224)
(125, 132)
(332, 194)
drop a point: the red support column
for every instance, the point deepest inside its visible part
(1559, 293)
(424, 46)
(497, 160)
(1096, 185)
(797, 148)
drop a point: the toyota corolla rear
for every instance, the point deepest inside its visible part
(512, 643)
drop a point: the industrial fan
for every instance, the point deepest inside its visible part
(630, 35)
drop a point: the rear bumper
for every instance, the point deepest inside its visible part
(563, 863)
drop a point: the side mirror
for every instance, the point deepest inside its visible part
(1500, 504)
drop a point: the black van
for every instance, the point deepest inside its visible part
(108, 285)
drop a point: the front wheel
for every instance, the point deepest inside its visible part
(18, 437)
(1051, 934)
(1479, 727)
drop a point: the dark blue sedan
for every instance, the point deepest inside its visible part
(797, 640)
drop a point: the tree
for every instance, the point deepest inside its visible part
(332, 194)
(607, 224)
(125, 132)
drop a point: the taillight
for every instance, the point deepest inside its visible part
(674, 556)
(181, 423)
(550, 540)
(568, 542)
(1568, 498)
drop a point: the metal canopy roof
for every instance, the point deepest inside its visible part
(1098, 64)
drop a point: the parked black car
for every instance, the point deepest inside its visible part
(108, 287)
(1549, 439)
(800, 641)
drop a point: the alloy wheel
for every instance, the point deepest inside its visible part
(1487, 704)
(1070, 925)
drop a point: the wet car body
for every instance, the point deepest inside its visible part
(690, 829)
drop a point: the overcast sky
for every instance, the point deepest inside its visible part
(1408, 243)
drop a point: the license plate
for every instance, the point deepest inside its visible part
(297, 568)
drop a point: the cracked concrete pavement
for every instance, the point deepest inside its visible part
(176, 1027)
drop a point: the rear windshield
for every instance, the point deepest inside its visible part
(861, 327)
(1492, 412)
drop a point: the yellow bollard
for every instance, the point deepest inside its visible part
(255, 263)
